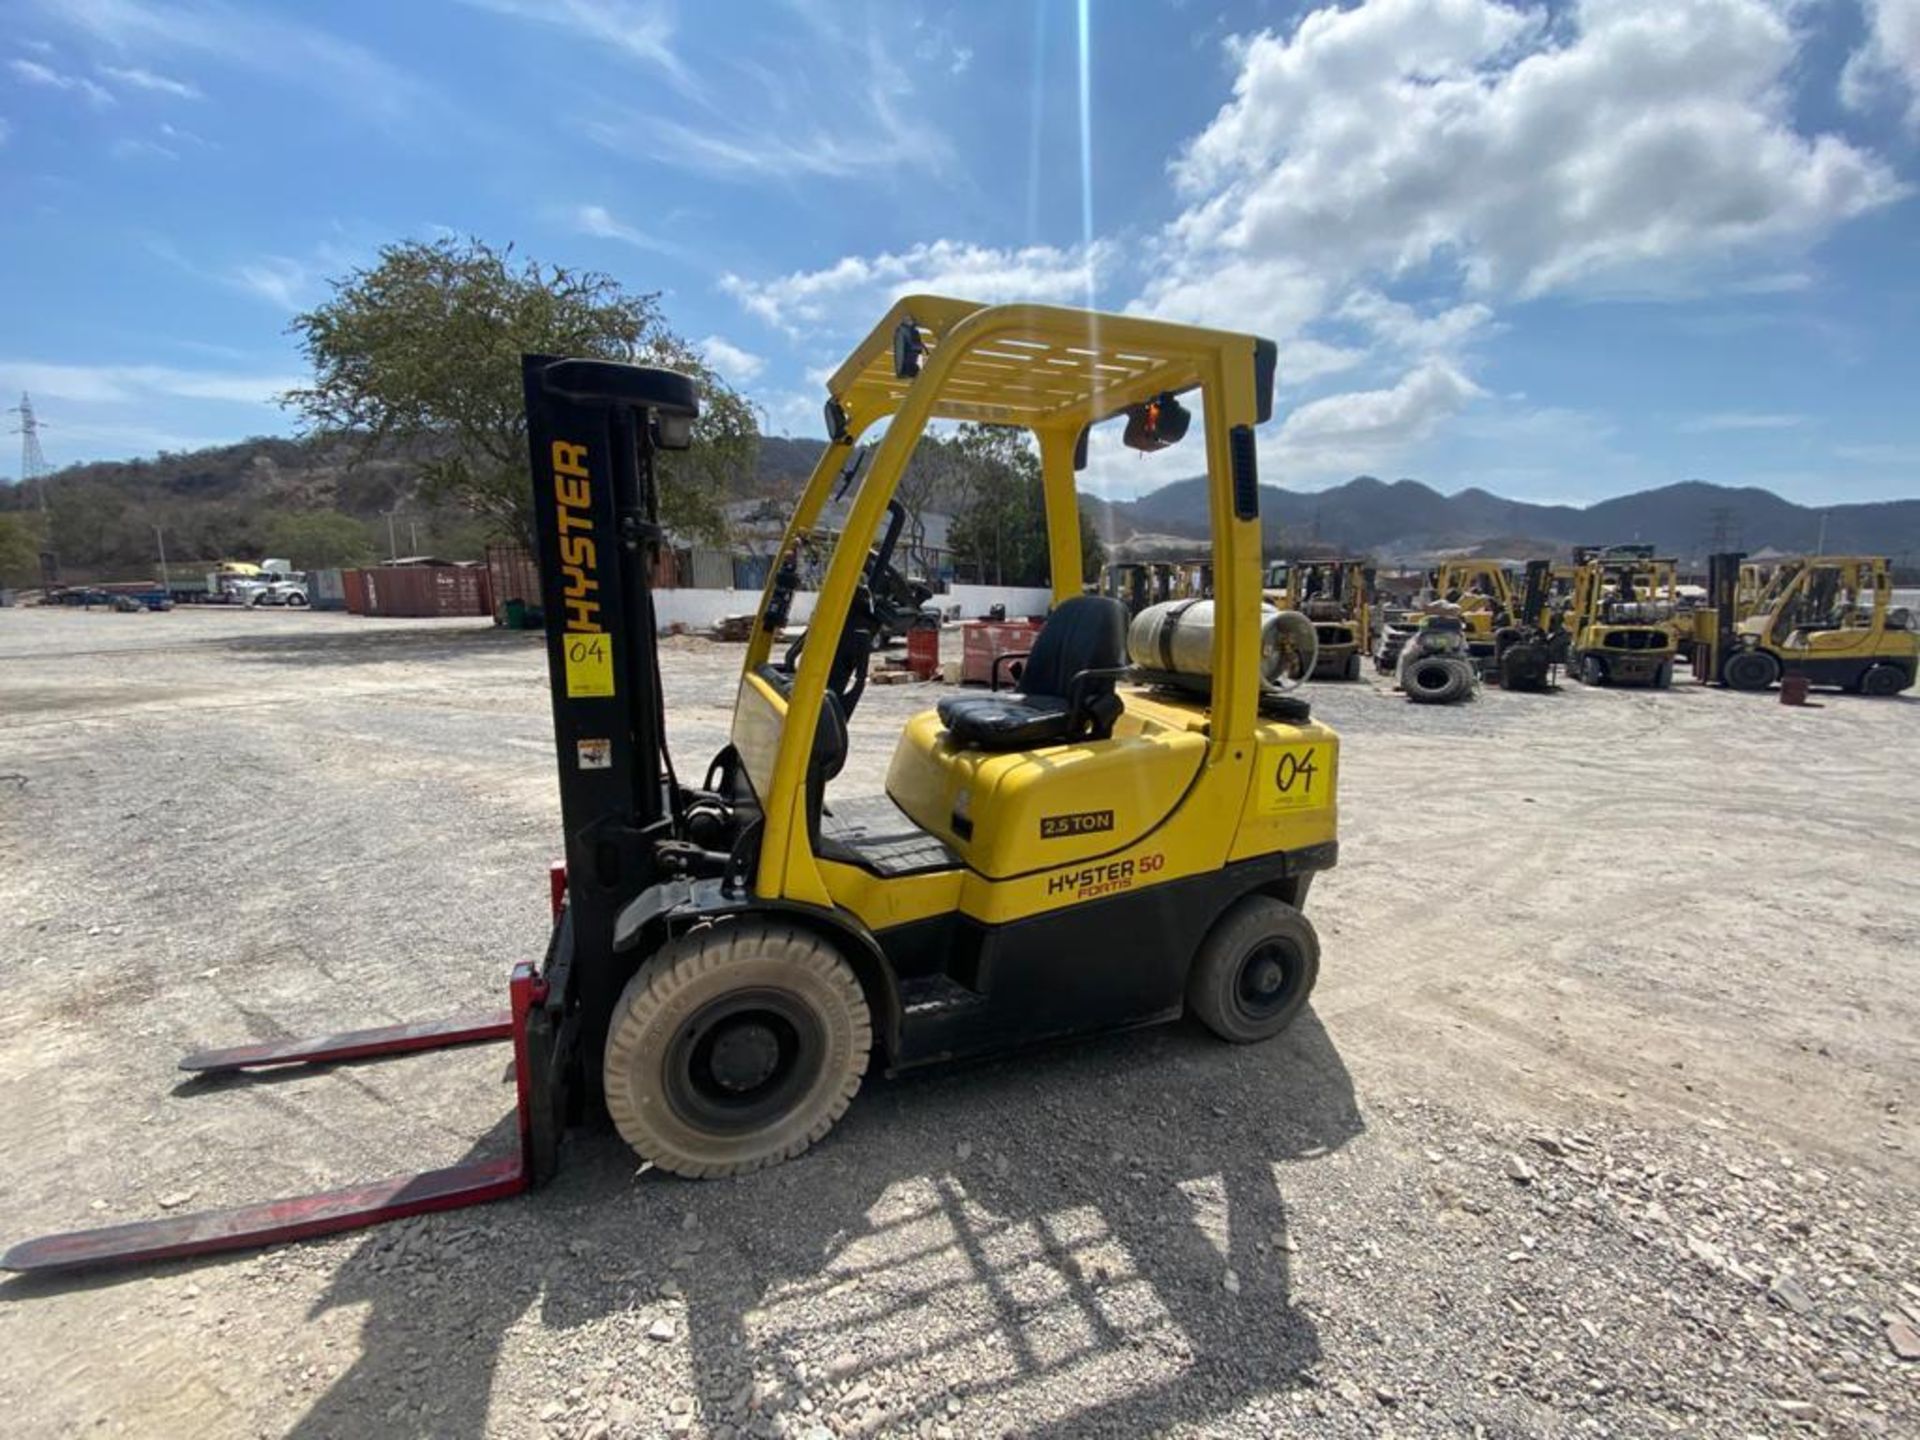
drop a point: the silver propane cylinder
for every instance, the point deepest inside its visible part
(1175, 639)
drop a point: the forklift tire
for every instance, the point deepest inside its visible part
(1750, 670)
(1663, 677)
(1436, 680)
(1883, 680)
(1254, 971)
(1352, 671)
(735, 1047)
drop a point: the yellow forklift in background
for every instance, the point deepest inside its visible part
(1622, 632)
(1337, 596)
(1830, 618)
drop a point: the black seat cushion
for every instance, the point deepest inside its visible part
(1005, 721)
(1087, 632)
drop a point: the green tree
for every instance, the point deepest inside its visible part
(319, 540)
(999, 530)
(424, 349)
(19, 551)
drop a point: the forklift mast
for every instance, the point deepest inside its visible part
(1533, 600)
(1723, 589)
(594, 429)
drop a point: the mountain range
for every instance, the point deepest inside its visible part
(1405, 520)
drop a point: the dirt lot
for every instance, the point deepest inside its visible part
(1601, 1124)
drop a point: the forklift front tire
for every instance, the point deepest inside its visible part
(735, 1047)
(1751, 670)
(1254, 971)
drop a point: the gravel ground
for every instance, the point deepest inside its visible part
(1600, 1125)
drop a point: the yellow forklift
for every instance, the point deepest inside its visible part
(1337, 597)
(1830, 619)
(1112, 844)
(1621, 631)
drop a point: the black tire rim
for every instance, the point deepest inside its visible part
(744, 1060)
(1267, 981)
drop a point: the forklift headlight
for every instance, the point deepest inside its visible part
(672, 432)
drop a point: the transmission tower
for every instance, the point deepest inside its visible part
(33, 460)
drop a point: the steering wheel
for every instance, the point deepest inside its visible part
(866, 622)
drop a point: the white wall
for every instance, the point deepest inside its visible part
(701, 609)
(1022, 601)
(698, 609)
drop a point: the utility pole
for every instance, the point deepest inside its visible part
(393, 546)
(1820, 545)
(160, 538)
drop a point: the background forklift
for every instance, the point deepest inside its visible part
(1337, 596)
(729, 958)
(1622, 628)
(1830, 619)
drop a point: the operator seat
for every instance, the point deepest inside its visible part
(1066, 691)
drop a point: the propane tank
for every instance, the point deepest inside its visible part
(1175, 639)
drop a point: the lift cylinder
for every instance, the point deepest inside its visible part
(1176, 638)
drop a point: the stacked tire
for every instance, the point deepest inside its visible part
(1434, 679)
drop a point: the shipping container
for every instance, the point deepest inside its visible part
(420, 590)
(514, 575)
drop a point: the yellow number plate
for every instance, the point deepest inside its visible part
(589, 667)
(1295, 777)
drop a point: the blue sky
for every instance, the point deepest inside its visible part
(1558, 252)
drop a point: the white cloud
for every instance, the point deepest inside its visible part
(850, 294)
(140, 79)
(1475, 152)
(1905, 455)
(133, 147)
(598, 221)
(130, 384)
(1889, 61)
(274, 278)
(1473, 138)
(34, 73)
(1726, 420)
(1345, 433)
(737, 365)
(356, 79)
(1407, 331)
(639, 29)
(851, 107)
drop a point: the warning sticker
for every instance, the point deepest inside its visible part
(596, 754)
(589, 667)
(1297, 777)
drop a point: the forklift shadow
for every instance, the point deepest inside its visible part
(1043, 1241)
(379, 647)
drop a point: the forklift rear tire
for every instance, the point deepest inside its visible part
(1751, 670)
(1593, 670)
(735, 1047)
(1254, 971)
(1663, 677)
(1352, 671)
